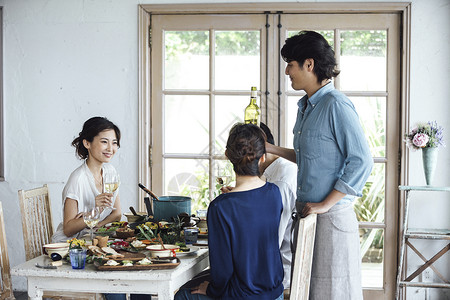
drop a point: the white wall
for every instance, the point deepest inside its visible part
(65, 61)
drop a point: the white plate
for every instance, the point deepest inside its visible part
(193, 251)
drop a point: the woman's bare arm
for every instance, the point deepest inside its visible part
(73, 221)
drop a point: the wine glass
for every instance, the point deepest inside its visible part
(91, 217)
(111, 184)
(223, 177)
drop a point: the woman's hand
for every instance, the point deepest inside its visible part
(201, 289)
(226, 189)
(104, 200)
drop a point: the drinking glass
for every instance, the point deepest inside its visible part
(91, 217)
(223, 176)
(77, 258)
(111, 184)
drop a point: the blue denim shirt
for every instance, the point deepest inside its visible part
(331, 149)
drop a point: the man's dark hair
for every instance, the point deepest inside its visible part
(269, 135)
(310, 44)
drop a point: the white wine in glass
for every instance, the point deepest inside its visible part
(111, 184)
(91, 218)
(223, 177)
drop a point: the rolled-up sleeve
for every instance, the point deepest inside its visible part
(353, 145)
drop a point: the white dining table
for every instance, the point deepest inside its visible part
(162, 283)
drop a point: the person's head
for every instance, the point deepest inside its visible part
(267, 132)
(96, 131)
(246, 145)
(310, 45)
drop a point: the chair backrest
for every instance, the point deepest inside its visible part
(301, 273)
(37, 223)
(5, 283)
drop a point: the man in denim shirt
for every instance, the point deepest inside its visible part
(334, 162)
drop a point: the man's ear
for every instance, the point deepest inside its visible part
(309, 64)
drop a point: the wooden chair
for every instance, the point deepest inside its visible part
(37, 223)
(37, 229)
(301, 273)
(5, 284)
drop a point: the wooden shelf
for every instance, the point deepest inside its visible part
(420, 233)
(425, 284)
(425, 233)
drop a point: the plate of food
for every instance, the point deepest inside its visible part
(110, 228)
(142, 264)
(187, 250)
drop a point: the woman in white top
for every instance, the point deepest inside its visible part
(96, 144)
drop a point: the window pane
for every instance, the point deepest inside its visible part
(186, 60)
(370, 207)
(372, 115)
(291, 115)
(229, 110)
(372, 244)
(186, 120)
(237, 65)
(363, 60)
(188, 177)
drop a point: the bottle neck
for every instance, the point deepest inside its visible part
(253, 100)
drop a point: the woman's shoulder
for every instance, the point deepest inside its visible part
(78, 172)
(268, 187)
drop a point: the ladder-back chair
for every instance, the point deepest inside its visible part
(37, 223)
(38, 230)
(301, 273)
(5, 284)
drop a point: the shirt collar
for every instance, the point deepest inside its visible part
(317, 95)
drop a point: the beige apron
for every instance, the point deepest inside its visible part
(336, 269)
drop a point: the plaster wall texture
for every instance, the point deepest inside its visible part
(63, 60)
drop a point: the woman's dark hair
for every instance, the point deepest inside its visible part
(245, 146)
(91, 128)
(310, 44)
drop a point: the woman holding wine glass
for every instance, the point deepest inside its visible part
(96, 144)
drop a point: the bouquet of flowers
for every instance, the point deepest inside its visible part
(428, 135)
(76, 243)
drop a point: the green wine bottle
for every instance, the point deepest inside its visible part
(252, 111)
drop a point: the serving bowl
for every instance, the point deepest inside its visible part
(158, 251)
(60, 248)
(133, 218)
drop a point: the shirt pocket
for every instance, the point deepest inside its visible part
(311, 148)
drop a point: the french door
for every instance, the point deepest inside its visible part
(202, 68)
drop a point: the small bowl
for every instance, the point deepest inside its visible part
(132, 218)
(60, 248)
(158, 251)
